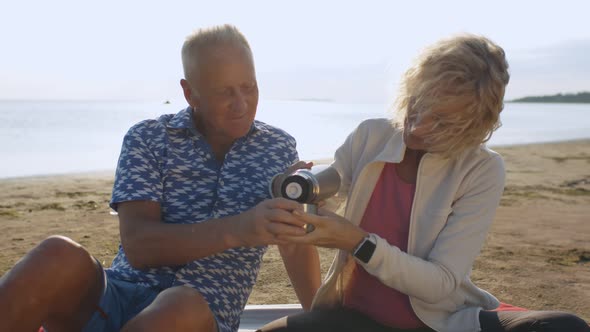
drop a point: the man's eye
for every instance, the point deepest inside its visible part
(224, 92)
(249, 87)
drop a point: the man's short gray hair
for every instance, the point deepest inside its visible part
(205, 38)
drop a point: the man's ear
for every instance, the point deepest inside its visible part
(189, 95)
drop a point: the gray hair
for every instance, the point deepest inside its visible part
(201, 40)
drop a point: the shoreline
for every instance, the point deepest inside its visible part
(324, 160)
(92, 174)
(537, 254)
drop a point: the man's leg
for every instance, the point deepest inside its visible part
(57, 285)
(175, 309)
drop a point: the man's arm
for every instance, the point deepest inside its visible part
(148, 242)
(303, 267)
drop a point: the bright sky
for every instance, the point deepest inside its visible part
(342, 50)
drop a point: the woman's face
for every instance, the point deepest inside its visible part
(418, 126)
(414, 131)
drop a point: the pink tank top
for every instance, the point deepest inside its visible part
(387, 215)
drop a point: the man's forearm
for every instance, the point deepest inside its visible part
(161, 244)
(303, 267)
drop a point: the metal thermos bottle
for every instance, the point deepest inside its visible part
(310, 186)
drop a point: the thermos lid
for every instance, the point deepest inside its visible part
(293, 190)
(297, 188)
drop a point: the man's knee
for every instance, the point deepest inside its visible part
(58, 280)
(64, 256)
(188, 305)
(175, 309)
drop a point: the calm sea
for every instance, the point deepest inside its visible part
(51, 137)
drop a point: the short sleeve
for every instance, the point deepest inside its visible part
(293, 155)
(138, 176)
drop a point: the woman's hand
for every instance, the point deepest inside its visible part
(331, 231)
(299, 165)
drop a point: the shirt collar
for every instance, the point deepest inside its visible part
(184, 120)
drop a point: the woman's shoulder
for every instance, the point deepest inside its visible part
(484, 152)
(376, 124)
(372, 137)
(375, 128)
(482, 158)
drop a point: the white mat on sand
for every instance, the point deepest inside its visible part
(255, 316)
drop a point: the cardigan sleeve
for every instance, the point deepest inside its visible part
(342, 165)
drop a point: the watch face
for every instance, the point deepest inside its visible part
(365, 251)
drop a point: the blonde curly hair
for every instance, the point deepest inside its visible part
(467, 74)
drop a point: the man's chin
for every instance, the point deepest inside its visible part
(236, 134)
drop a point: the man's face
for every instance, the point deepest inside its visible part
(224, 93)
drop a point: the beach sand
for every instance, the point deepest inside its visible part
(537, 254)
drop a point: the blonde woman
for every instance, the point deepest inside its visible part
(422, 190)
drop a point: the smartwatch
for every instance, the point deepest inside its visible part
(365, 249)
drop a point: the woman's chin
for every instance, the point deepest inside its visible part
(413, 144)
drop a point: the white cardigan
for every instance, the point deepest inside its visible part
(454, 206)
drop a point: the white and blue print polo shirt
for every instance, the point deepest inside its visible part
(166, 160)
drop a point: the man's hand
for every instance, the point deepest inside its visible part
(262, 224)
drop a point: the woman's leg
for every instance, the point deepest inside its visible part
(339, 319)
(529, 321)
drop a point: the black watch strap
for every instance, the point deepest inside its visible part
(364, 251)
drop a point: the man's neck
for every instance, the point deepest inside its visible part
(219, 149)
(219, 144)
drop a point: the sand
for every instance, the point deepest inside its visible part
(537, 254)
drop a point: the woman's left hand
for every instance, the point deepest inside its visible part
(331, 231)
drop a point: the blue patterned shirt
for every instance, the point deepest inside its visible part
(168, 161)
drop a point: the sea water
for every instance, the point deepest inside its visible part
(57, 137)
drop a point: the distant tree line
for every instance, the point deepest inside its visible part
(580, 97)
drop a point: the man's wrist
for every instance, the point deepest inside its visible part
(234, 235)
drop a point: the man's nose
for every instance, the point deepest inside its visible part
(240, 102)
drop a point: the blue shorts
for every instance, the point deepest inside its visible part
(120, 301)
